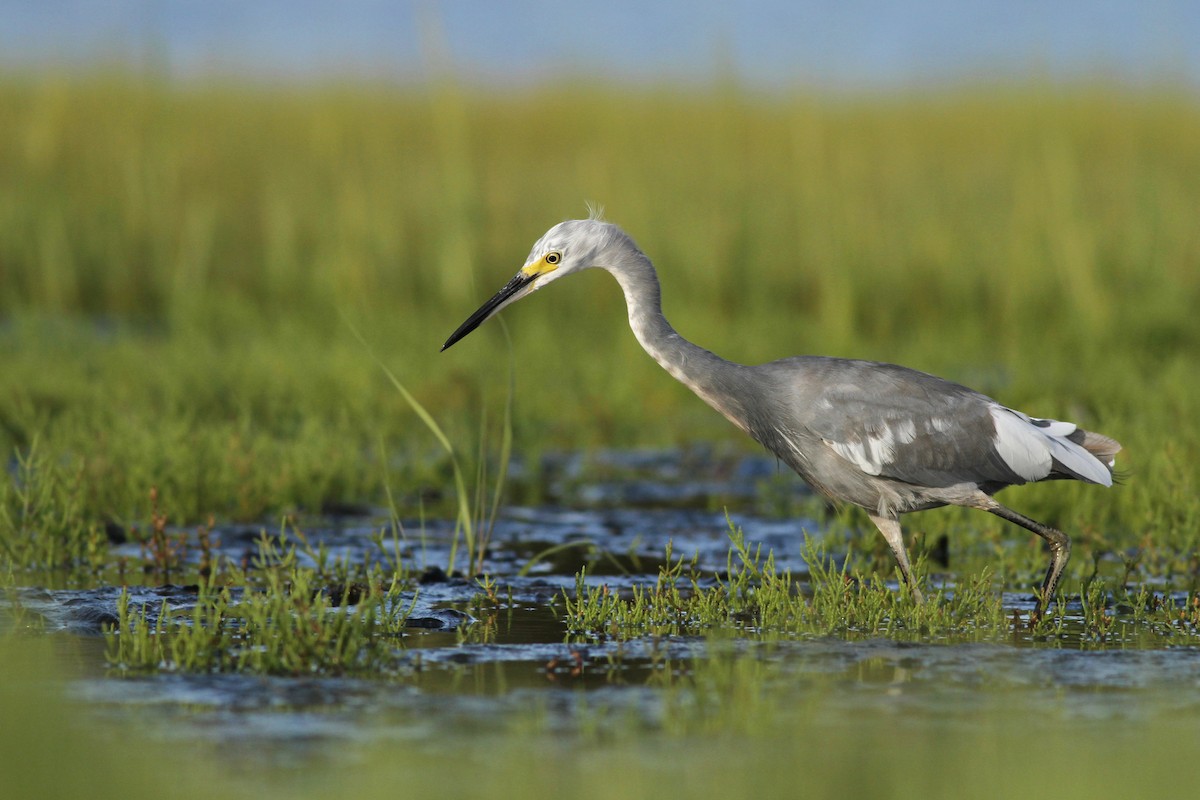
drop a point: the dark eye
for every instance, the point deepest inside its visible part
(553, 258)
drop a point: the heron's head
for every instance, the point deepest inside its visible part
(567, 247)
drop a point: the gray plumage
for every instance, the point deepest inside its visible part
(884, 437)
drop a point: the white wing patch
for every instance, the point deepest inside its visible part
(1022, 446)
(873, 451)
(1053, 426)
(940, 424)
(1029, 447)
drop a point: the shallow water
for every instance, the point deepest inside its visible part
(461, 669)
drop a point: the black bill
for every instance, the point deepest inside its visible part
(502, 297)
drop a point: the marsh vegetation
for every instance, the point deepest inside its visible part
(248, 501)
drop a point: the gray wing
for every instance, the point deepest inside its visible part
(898, 423)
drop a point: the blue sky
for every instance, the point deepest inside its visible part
(770, 43)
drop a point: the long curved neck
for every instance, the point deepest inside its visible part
(711, 377)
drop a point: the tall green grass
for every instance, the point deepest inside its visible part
(175, 260)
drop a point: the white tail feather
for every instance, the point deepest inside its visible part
(1031, 450)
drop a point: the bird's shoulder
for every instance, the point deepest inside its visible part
(856, 387)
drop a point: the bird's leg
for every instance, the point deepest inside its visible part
(890, 528)
(1060, 547)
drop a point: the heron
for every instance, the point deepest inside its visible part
(886, 438)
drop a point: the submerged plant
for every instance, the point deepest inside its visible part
(755, 596)
(286, 620)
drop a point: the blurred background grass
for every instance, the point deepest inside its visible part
(179, 260)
